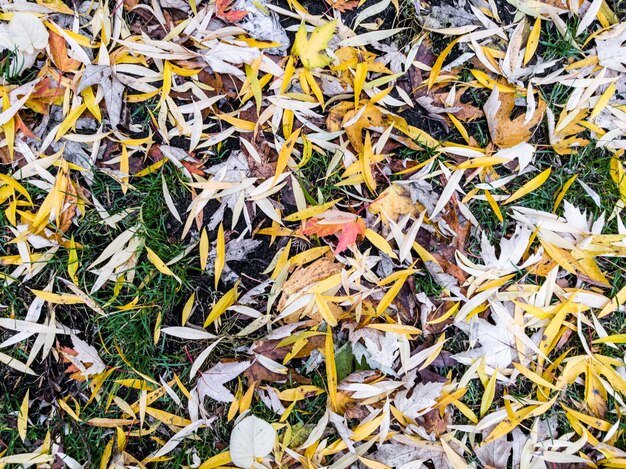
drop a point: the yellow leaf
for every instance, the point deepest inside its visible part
(65, 406)
(167, 82)
(324, 310)
(455, 460)
(241, 124)
(253, 79)
(167, 418)
(434, 72)
(220, 259)
(218, 460)
(381, 243)
(204, 249)
(611, 339)
(222, 305)
(465, 411)
(22, 418)
(246, 399)
(490, 392)
(390, 295)
(359, 81)
(462, 130)
(331, 369)
(9, 181)
(70, 120)
(285, 153)
(371, 463)
(90, 102)
(59, 299)
(72, 261)
(282, 261)
(287, 122)
(157, 328)
(564, 189)
(310, 211)
(594, 422)
(309, 49)
(159, 264)
(366, 163)
(494, 205)
(534, 377)
(289, 69)
(310, 79)
(366, 429)
(530, 186)
(602, 102)
(396, 328)
(533, 41)
(188, 308)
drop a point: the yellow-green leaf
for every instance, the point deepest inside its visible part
(310, 48)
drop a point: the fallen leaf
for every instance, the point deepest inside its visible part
(251, 438)
(346, 226)
(506, 132)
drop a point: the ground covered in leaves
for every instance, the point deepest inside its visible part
(264, 233)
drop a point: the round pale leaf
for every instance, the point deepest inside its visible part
(252, 438)
(28, 33)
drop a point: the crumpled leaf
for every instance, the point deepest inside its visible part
(225, 11)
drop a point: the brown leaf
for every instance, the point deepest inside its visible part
(257, 373)
(466, 112)
(58, 52)
(265, 169)
(269, 349)
(305, 276)
(71, 201)
(435, 423)
(394, 203)
(506, 132)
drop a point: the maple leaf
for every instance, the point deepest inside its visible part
(84, 360)
(343, 5)
(224, 12)
(346, 226)
(506, 132)
(309, 49)
(211, 382)
(421, 399)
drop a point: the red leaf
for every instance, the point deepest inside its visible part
(232, 16)
(346, 226)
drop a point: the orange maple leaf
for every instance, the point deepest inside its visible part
(343, 5)
(346, 226)
(232, 16)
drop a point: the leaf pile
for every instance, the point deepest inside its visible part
(341, 243)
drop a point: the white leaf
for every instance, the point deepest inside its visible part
(86, 359)
(27, 33)
(252, 438)
(422, 398)
(211, 382)
(188, 333)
